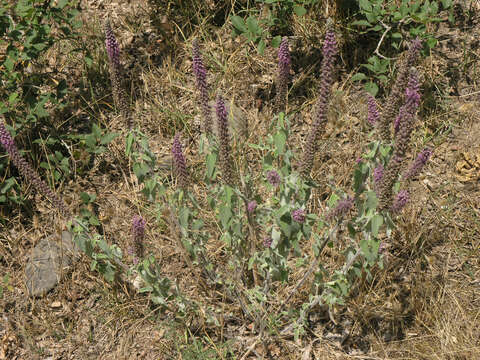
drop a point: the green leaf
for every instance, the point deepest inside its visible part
(239, 23)
(372, 88)
(211, 161)
(276, 41)
(396, 35)
(96, 131)
(85, 197)
(251, 262)
(357, 181)
(376, 222)
(358, 77)
(13, 98)
(7, 185)
(372, 18)
(128, 145)
(432, 42)
(62, 3)
(107, 138)
(446, 4)
(252, 25)
(365, 5)
(261, 46)
(397, 16)
(183, 217)
(197, 225)
(93, 220)
(280, 139)
(225, 214)
(299, 10)
(372, 200)
(333, 200)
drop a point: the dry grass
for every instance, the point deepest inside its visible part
(424, 305)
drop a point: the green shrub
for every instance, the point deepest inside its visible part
(30, 90)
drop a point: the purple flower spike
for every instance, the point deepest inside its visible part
(405, 119)
(138, 234)
(395, 98)
(298, 215)
(284, 64)
(342, 208)
(201, 78)
(28, 172)
(378, 174)
(273, 178)
(373, 114)
(251, 206)
(224, 139)
(179, 163)
(330, 45)
(407, 112)
(320, 116)
(400, 201)
(418, 164)
(113, 49)
(116, 75)
(284, 59)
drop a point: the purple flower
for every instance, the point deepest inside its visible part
(412, 101)
(224, 139)
(28, 172)
(273, 178)
(251, 206)
(119, 95)
(284, 62)
(201, 78)
(267, 241)
(298, 215)
(342, 208)
(378, 174)
(373, 114)
(405, 120)
(138, 234)
(179, 164)
(111, 44)
(400, 201)
(320, 116)
(131, 252)
(396, 95)
(418, 164)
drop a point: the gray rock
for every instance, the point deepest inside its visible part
(48, 261)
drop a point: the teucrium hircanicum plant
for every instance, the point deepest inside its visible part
(258, 215)
(320, 116)
(264, 227)
(201, 80)
(283, 76)
(116, 74)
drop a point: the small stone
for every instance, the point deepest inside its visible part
(47, 262)
(56, 305)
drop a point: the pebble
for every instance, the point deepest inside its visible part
(48, 260)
